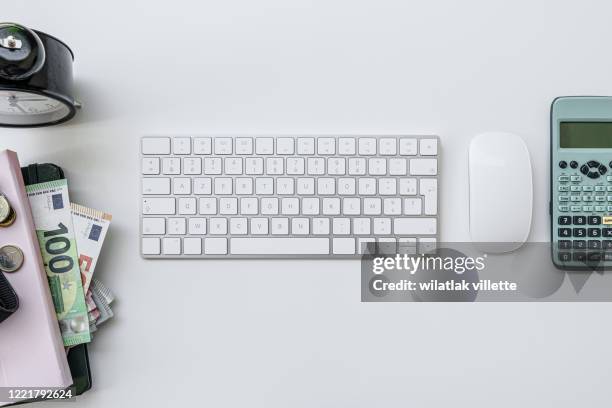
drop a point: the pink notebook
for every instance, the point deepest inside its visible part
(31, 348)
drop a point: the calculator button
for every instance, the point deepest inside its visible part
(584, 169)
(565, 257)
(594, 220)
(565, 189)
(587, 198)
(609, 178)
(576, 178)
(575, 208)
(593, 163)
(565, 244)
(607, 244)
(594, 244)
(565, 220)
(594, 256)
(576, 198)
(587, 208)
(587, 188)
(594, 232)
(600, 198)
(578, 220)
(579, 244)
(565, 232)
(573, 188)
(600, 188)
(563, 179)
(579, 256)
(579, 232)
(609, 198)
(564, 208)
(600, 208)
(574, 164)
(563, 164)
(607, 232)
(593, 174)
(602, 169)
(565, 198)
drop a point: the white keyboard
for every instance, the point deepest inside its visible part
(287, 197)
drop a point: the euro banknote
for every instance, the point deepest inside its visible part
(90, 227)
(50, 205)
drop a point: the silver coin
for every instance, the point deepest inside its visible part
(5, 209)
(11, 258)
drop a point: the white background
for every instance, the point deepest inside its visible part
(294, 333)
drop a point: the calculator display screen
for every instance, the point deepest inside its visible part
(594, 135)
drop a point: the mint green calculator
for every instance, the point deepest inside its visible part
(581, 182)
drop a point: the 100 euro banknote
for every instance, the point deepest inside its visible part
(50, 205)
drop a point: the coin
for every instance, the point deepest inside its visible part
(5, 209)
(10, 220)
(11, 258)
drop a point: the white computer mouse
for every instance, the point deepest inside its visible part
(501, 192)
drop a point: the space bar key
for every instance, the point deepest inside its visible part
(279, 246)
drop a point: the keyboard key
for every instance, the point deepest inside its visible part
(212, 165)
(310, 206)
(346, 186)
(150, 165)
(336, 166)
(192, 246)
(249, 206)
(280, 226)
(326, 146)
(392, 206)
(285, 145)
(244, 145)
(300, 226)
(341, 226)
(259, 226)
(428, 147)
(233, 166)
(320, 226)
(264, 186)
(223, 145)
(181, 185)
(344, 246)
(202, 185)
(239, 226)
(361, 226)
(151, 246)
(408, 186)
(351, 206)
(367, 146)
(197, 226)
(215, 246)
(415, 226)
(382, 226)
(254, 165)
(387, 146)
(412, 206)
(158, 206)
(290, 206)
(177, 226)
(357, 166)
(367, 186)
(347, 146)
(326, 186)
(223, 186)
(377, 167)
(202, 145)
(331, 206)
(155, 145)
(408, 147)
(218, 226)
(155, 186)
(187, 206)
(397, 167)
(275, 165)
(269, 206)
(387, 186)
(208, 206)
(306, 186)
(295, 166)
(423, 167)
(429, 190)
(171, 246)
(372, 206)
(181, 145)
(153, 226)
(280, 246)
(171, 165)
(192, 165)
(306, 145)
(244, 186)
(228, 206)
(264, 145)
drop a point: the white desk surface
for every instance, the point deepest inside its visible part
(294, 333)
